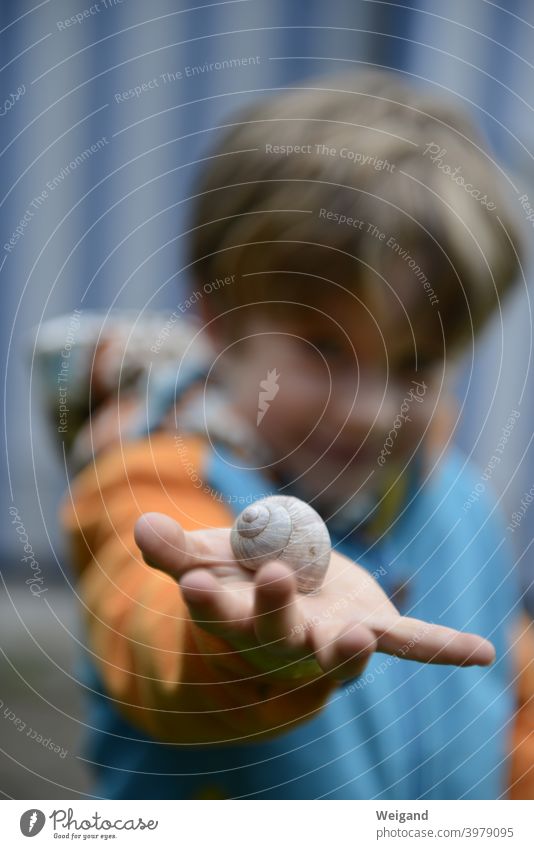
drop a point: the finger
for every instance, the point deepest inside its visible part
(166, 546)
(343, 654)
(275, 607)
(212, 605)
(415, 639)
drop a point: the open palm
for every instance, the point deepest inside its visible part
(279, 630)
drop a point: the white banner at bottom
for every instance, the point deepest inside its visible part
(270, 824)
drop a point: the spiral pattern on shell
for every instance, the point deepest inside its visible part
(284, 528)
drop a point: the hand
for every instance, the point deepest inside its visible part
(277, 629)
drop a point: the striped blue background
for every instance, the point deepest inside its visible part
(109, 234)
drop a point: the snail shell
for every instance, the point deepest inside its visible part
(285, 528)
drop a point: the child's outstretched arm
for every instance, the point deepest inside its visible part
(204, 653)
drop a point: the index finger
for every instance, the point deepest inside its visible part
(415, 639)
(167, 546)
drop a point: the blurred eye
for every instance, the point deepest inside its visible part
(328, 348)
(409, 364)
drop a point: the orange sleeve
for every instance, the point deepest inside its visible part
(522, 742)
(166, 675)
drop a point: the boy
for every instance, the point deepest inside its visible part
(348, 241)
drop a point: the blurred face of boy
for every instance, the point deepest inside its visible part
(344, 396)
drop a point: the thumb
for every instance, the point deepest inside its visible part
(167, 546)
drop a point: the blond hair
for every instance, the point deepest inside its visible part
(288, 199)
